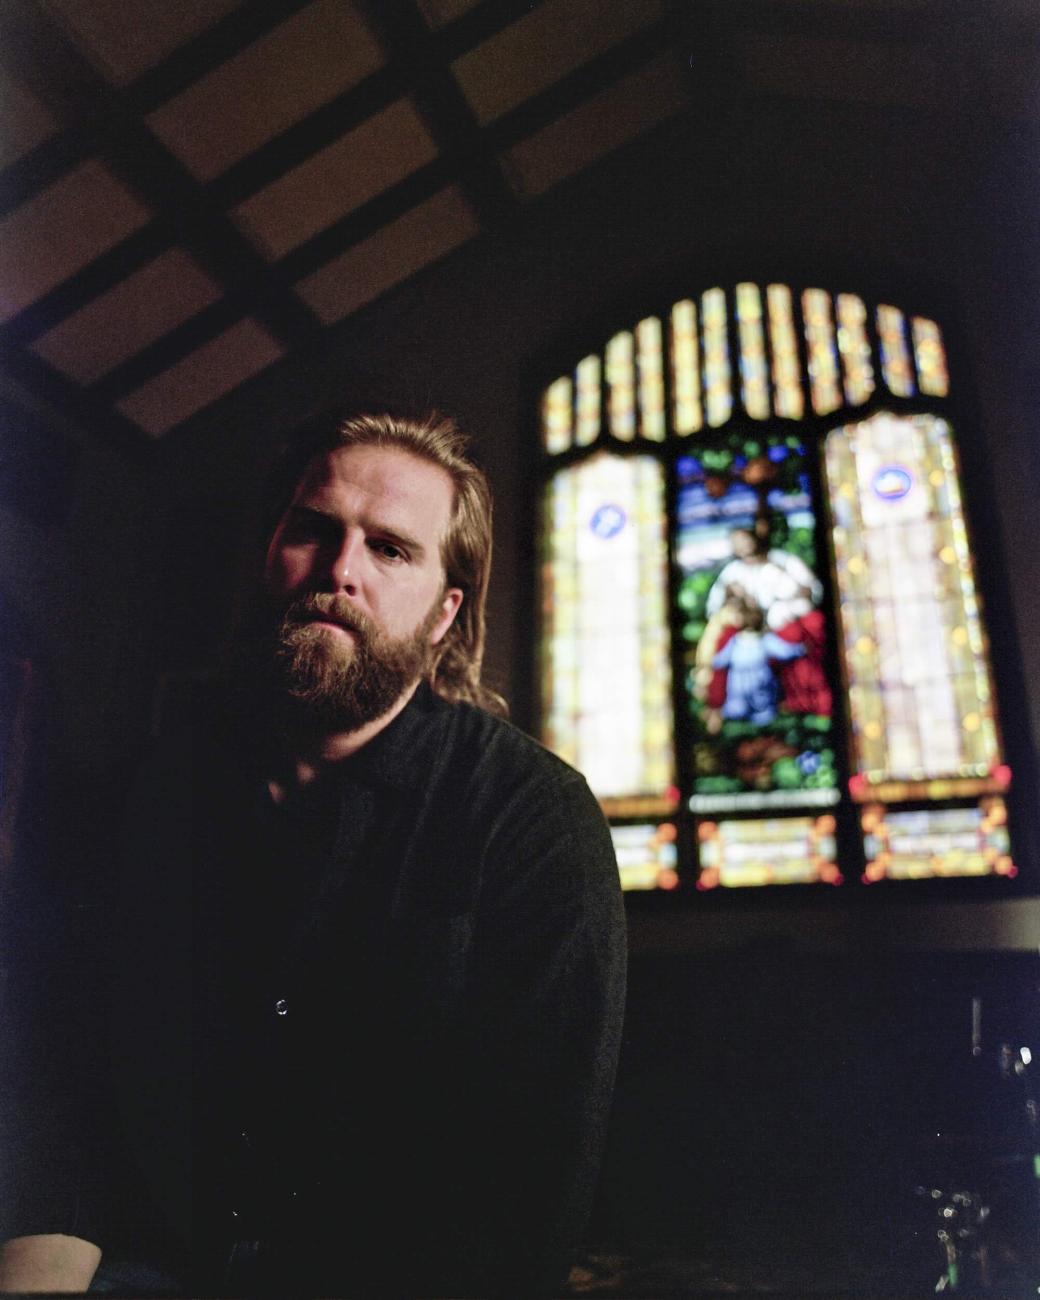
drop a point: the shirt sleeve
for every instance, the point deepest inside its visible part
(543, 1039)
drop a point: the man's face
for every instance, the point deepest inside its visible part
(742, 544)
(354, 572)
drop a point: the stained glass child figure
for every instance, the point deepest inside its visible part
(752, 690)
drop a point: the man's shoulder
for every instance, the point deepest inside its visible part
(498, 748)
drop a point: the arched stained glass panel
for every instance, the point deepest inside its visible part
(606, 670)
(558, 416)
(823, 360)
(912, 639)
(621, 386)
(895, 356)
(750, 601)
(854, 347)
(718, 394)
(686, 373)
(754, 377)
(650, 369)
(931, 358)
(587, 379)
(787, 370)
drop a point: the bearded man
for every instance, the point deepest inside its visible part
(369, 968)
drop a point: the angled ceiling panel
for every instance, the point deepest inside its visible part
(199, 379)
(298, 66)
(613, 117)
(546, 44)
(386, 258)
(336, 180)
(24, 121)
(123, 47)
(135, 312)
(62, 229)
(439, 12)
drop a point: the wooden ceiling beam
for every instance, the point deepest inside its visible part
(37, 51)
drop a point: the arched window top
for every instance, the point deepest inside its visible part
(762, 350)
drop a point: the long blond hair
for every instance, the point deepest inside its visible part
(465, 550)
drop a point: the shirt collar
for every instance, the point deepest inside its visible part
(401, 754)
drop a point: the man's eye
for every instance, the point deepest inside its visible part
(387, 550)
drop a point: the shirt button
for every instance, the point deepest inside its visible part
(281, 1007)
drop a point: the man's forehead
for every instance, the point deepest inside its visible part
(383, 471)
(390, 484)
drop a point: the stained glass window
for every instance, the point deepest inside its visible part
(809, 581)
(754, 377)
(912, 639)
(776, 851)
(650, 369)
(557, 416)
(823, 361)
(646, 856)
(587, 384)
(927, 842)
(854, 348)
(787, 370)
(621, 386)
(755, 634)
(718, 395)
(931, 358)
(686, 375)
(606, 675)
(895, 356)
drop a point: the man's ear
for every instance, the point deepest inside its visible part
(450, 602)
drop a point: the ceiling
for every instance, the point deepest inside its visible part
(193, 192)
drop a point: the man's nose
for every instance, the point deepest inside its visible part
(341, 565)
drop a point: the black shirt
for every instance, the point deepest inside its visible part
(376, 1035)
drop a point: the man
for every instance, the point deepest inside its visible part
(369, 979)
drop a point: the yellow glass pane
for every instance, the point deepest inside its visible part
(650, 368)
(768, 851)
(621, 385)
(854, 347)
(787, 370)
(895, 356)
(912, 638)
(930, 356)
(718, 393)
(754, 377)
(557, 416)
(686, 376)
(820, 340)
(587, 379)
(605, 650)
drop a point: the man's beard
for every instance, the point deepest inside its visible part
(341, 683)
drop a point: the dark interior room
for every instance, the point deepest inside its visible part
(679, 239)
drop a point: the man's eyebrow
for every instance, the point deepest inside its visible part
(390, 534)
(372, 527)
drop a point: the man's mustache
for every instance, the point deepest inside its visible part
(328, 608)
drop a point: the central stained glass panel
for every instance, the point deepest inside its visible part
(753, 627)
